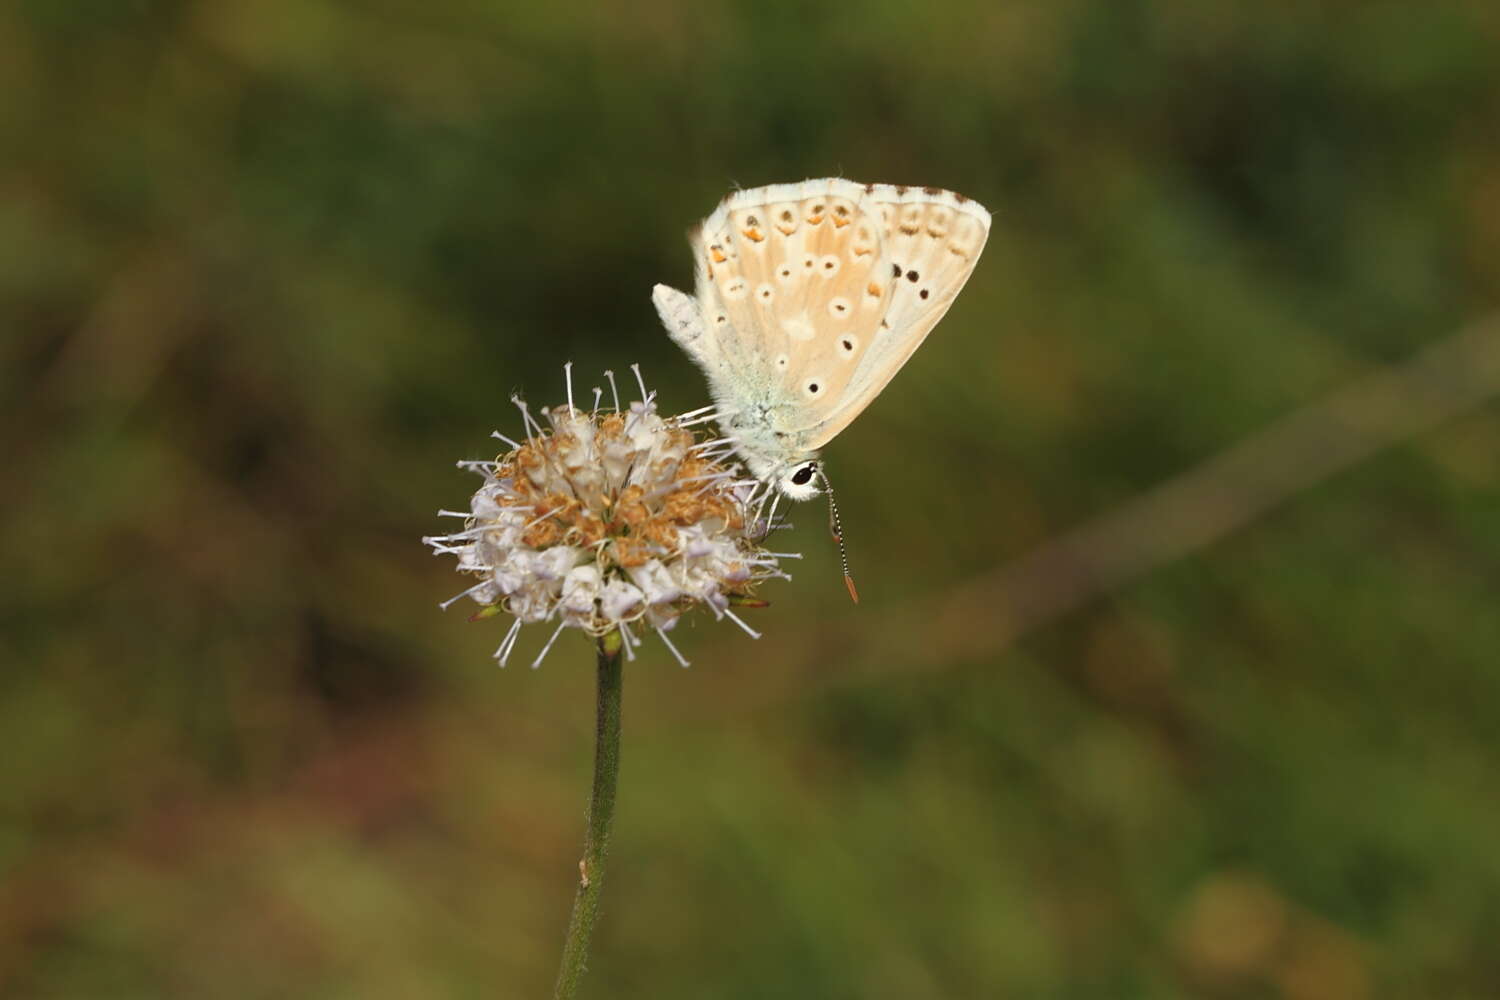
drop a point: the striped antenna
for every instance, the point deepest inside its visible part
(836, 528)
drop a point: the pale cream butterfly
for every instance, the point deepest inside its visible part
(809, 298)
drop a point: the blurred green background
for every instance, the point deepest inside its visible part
(269, 267)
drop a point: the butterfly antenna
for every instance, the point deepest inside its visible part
(836, 528)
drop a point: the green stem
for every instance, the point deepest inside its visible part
(601, 813)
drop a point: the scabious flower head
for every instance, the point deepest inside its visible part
(609, 518)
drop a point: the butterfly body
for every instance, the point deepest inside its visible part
(809, 298)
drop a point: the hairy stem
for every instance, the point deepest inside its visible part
(601, 813)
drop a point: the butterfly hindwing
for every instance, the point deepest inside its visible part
(793, 284)
(684, 322)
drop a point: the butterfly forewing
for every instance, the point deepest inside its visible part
(931, 239)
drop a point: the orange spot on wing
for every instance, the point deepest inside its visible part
(717, 255)
(874, 289)
(753, 234)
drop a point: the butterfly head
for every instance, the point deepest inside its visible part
(801, 480)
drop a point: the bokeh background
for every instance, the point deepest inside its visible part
(1119, 716)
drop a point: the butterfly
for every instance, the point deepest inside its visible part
(809, 298)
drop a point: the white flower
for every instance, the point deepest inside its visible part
(580, 590)
(621, 601)
(608, 519)
(655, 582)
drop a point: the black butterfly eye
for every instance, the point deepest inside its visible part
(803, 475)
